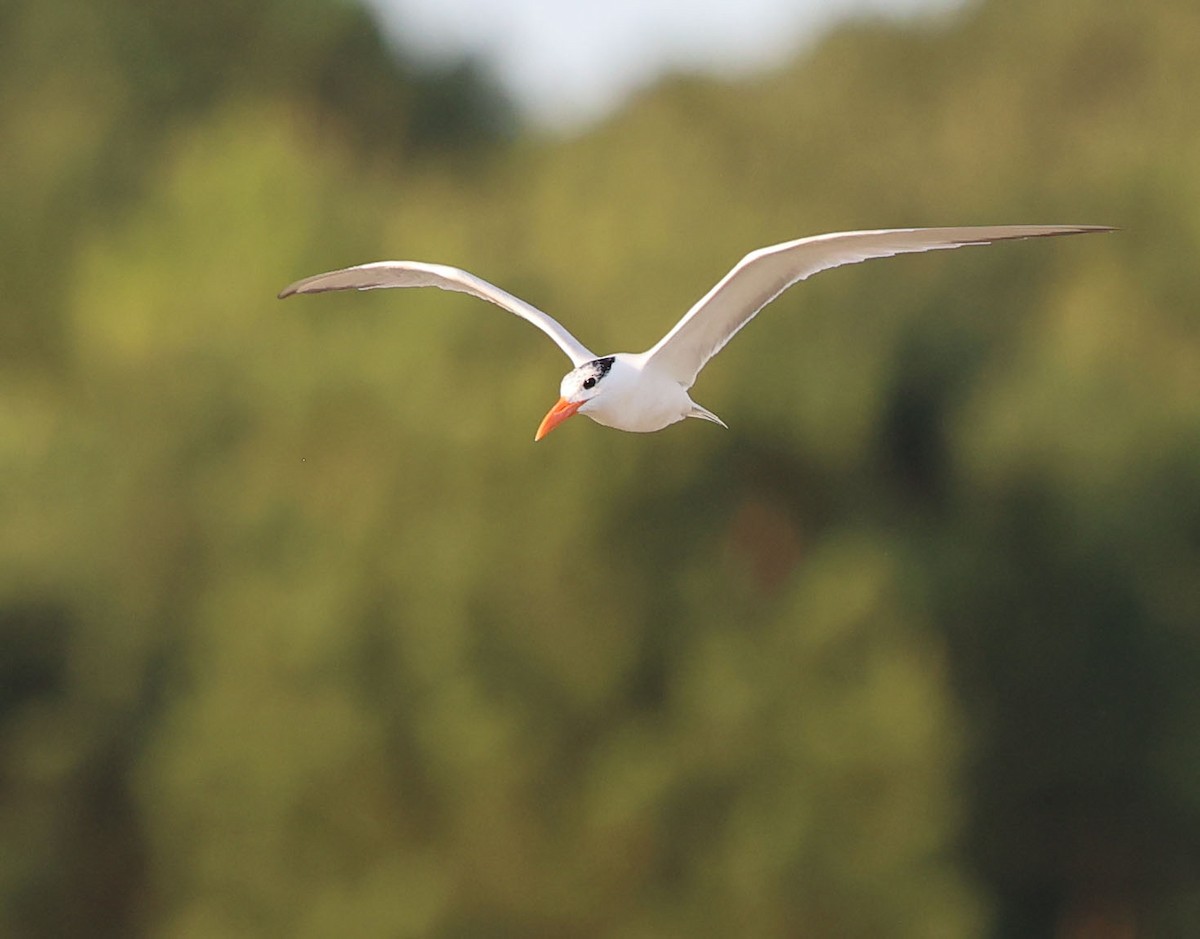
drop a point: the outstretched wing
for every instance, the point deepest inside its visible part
(764, 274)
(418, 274)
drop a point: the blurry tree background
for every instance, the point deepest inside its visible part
(301, 636)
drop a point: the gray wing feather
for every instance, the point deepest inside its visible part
(764, 274)
(380, 274)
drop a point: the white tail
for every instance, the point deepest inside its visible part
(706, 414)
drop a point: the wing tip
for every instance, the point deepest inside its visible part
(312, 285)
(1079, 230)
(1039, 231)
(304, 285)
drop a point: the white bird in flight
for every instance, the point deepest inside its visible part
(647, 391)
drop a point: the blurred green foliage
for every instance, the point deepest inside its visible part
(301, 636)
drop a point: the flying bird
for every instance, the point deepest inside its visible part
(647, 391)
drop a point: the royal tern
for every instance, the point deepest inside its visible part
(646, 391)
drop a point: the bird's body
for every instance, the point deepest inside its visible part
(647, 391)
(637, 398)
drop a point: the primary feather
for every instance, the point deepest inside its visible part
(379, 274)
(764, 274)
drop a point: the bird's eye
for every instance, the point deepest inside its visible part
(589, 383)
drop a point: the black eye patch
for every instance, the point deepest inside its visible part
(600, 368)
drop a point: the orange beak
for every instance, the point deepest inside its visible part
(555, 416)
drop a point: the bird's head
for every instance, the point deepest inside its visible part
(579, 388)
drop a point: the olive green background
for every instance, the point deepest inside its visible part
(302, 636)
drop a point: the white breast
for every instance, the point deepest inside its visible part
(636, 399)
